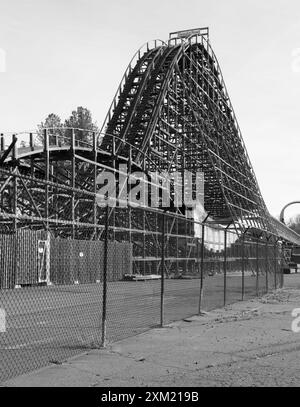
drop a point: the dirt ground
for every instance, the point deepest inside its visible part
(247, 344)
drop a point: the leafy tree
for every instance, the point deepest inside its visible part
(81, 118)
(55, 132)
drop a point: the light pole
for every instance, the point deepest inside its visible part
(284, 208)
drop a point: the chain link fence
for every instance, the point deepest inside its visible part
(60, 297)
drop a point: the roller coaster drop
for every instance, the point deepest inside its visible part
(171, 113)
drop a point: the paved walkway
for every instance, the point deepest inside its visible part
(247, 344)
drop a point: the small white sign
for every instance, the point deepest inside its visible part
(188, 33)
(185, 34)
(2, 320)
(296, 321)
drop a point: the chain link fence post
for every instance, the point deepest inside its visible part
(243, 266)
(225, 265)
(275, 265)
(257, 269)
(162, 271)
(201, 267)
(267, 264)
(104, 295)
(15, 210)
(282, 266)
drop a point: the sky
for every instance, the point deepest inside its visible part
(57, 55)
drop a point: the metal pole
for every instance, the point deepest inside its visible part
(15, 209)
(177, 245)
(47, 165)
(202, 268)
(129, 209)
(73, 175)
(281, 265)
(243, 266)
(104, 294)
(95, 184)
(2, 142)
(113, 212)
(162, 271)
(225, 265)
(31, 141)
(281, 217)
(267, 265)
(257, 269)
(275, 264)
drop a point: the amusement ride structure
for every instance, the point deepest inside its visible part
(171, 113)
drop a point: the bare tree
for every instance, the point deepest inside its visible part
(294, 223)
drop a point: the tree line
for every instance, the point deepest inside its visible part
(81, 118)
